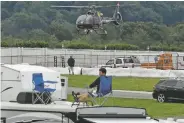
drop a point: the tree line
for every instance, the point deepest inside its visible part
(35, 24)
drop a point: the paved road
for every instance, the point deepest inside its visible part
(119, 93)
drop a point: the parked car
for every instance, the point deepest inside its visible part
(123, 62)
(169, 89)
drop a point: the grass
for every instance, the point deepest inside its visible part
(119, 83)
(154, 109)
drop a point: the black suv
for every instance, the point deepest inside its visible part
(171, 89)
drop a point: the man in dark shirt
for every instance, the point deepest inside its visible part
(96, 83)
(71, 64)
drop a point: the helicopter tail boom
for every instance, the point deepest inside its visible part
(110, 21)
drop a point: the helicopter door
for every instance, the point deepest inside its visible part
(96, 20)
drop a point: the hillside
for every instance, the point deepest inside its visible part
(157, 24)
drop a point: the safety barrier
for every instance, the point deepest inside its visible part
(171, 120)
(132, 72)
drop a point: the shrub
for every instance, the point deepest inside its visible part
(4, 44)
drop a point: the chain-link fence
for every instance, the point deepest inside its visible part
(81, 60)
(84, 58)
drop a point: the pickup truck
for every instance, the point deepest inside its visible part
(123, 62)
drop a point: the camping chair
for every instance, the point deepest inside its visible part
(39, 89)
(105, 90)
(49, 91)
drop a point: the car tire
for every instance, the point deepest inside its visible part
(161, 98)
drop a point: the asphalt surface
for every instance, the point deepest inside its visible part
(119, 93)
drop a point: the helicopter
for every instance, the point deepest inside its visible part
(93, 20)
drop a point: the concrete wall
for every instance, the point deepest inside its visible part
(132, 72)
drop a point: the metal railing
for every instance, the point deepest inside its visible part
(83, 57)
(81, 60)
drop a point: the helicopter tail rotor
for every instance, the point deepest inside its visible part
(117, 17)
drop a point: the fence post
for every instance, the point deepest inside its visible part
(46, 56)
(91, 58)
(148, 62)
(60, 60)
(18, 55)
(114, 53)
(36, 59)
(97, 60)
(22, 60)
(85, 60)
(43, 56)
(11, 56)
(63, 61)
(55, 61)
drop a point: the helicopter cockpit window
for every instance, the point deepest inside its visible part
(90, 13)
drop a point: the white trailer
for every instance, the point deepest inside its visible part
(19, 77)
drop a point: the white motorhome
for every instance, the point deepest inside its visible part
(62, 112)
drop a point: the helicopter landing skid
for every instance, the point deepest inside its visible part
(97, 31)
(83, 32)
(104, 32)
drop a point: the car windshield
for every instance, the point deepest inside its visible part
(110, 62)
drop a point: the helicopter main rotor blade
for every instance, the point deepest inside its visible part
(91, 6)
(120, 5)
(70, 6)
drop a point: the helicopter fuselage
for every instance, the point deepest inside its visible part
(93, 20)
(88, 21)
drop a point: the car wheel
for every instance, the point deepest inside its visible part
(161, 98)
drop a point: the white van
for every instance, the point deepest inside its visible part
(123, 62)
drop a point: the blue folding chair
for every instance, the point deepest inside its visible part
(39, 89)
(105, 90)
(49, 91)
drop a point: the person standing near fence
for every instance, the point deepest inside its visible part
(71, 64)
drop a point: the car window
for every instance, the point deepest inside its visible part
(118, 61)
(161, 82)
(128, 60)
(170, 82)
(110, 62)
(180, 84)
(125, 60)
